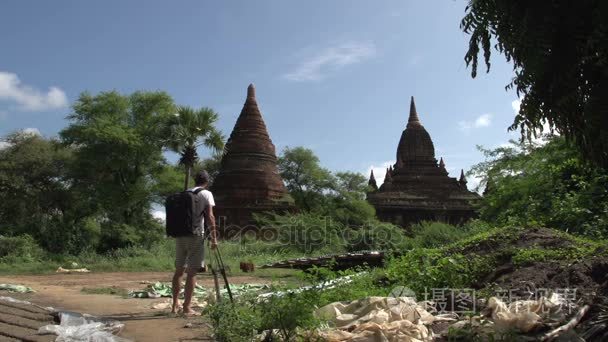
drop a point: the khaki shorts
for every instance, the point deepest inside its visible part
(189, 252)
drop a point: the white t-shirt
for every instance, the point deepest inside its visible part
(208, 198)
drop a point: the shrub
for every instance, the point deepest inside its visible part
(547, 185)
(19, 248)
(305, 232)
(436, 234)
(422, 269)
(120, 235)
(288, 312)
(363, 283)
(233, 322)
(379, 236)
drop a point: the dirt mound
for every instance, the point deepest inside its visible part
(586, 278)
(518, 237)
(537, 258)
(528, 263)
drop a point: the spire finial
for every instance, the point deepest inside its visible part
(388, 177)
(413, 119)
(372, 181)
(441, 163)
(251, 91)
(462, 180)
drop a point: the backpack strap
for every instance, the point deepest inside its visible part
(198, 190)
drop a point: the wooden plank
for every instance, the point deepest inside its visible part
(23, 322)
(4, 338)
(15, 331)
(26, 307)
(25, 314)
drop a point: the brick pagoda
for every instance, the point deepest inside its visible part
(248, 181)
(417, 187)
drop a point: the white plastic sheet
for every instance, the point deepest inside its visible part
(81, 328)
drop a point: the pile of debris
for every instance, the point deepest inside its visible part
(334, 261)
(23, 321)
(404, 319)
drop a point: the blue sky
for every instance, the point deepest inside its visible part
(334, 76)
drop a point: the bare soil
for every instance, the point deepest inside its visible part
(142, 323)
(586, 279)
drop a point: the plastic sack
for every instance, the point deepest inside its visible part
(527, 315)
(377, 319)
(80, 328)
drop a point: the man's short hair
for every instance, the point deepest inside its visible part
(201, 177)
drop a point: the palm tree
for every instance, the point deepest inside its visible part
(189, 129)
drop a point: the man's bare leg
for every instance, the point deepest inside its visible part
(175, 288)
(189, 290)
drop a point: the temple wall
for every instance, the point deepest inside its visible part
(406, 218)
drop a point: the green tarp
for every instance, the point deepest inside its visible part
(159, 289)
(15, 288)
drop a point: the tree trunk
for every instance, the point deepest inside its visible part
(187, 180)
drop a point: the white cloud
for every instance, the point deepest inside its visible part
(515, 105)
(473, 182)
(31, 131)
(541, 135)
(159, 214)
(316, 67)
(483, 120)
(379, 171)
(3, 145)
(28, 98)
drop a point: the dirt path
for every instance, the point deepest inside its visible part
(142, 323)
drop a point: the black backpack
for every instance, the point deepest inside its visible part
(184, 212)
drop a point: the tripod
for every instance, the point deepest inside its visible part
(217, 266)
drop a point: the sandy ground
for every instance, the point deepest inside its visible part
(142, 323)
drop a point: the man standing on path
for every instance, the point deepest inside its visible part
(189, 250)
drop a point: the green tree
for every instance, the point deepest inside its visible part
(317, 190)
(118, 154)
(211, 165)
(39, 197)
(306, 180)
(188, 130)
(349, 205)
(169, 180)
(549, 185)
(560, 59)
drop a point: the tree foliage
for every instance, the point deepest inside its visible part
(187, 130)
(548, 184)
(38, 196)
(316, 189)
(117, 146)
(304, 177)
(559, 51)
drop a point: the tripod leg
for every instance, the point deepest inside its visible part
(216, 282)
(223, 271)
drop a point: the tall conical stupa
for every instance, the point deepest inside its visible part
(248, 181)
(418, 188)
